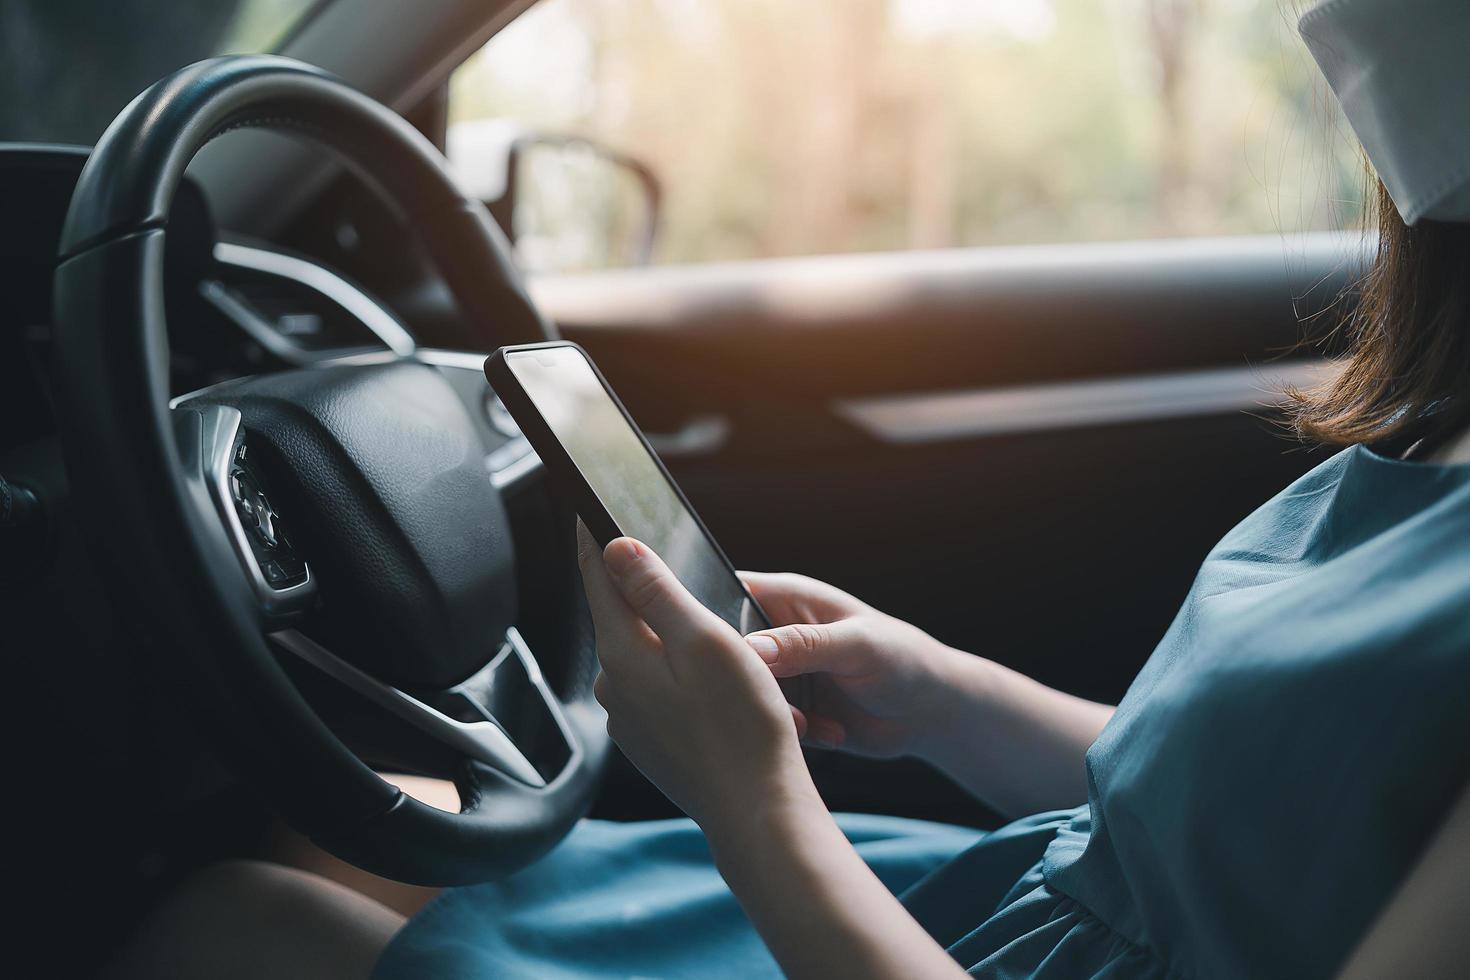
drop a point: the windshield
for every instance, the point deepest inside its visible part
(68, 66)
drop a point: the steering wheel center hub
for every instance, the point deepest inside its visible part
(377, 477)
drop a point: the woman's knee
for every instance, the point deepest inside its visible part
(252, 918)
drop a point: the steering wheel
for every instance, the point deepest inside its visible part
(317, 558)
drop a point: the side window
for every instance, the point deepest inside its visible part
(774, 128)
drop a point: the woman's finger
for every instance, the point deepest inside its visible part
(806, 648)
(798, 716)
(824, 733)
(655, 594)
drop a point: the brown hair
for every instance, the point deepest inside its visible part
(1406, 372)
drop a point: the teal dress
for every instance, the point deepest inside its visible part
(1272, 774)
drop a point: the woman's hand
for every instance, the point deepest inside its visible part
(688, 701)
(875, 679)
(882, 687)
(701, 715)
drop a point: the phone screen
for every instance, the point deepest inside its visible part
(629, 483)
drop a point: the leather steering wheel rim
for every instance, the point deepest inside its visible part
(156, 540)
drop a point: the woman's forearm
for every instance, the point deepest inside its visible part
(821, 911)
(1012, 741)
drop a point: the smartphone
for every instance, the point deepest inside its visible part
(596, 454)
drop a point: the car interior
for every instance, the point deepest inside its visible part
(261, 509)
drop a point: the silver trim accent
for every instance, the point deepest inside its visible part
(972, 413)
(178, 401)
(484, 741)
(329, 284)
(467, 359)
(218, 295)
(207, 465)
(500, 418)
(511, 463)
(364, 358)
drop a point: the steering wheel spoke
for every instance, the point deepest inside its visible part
(504, 717)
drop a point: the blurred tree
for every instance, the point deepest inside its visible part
(785, 128)
(1172, 24)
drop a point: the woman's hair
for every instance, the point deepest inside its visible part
(1406, 372)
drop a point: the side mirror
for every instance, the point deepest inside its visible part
(566, 203)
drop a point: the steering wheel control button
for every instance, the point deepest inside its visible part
(262, 525)
(265, 528)
(264, 532)
(217, 459)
